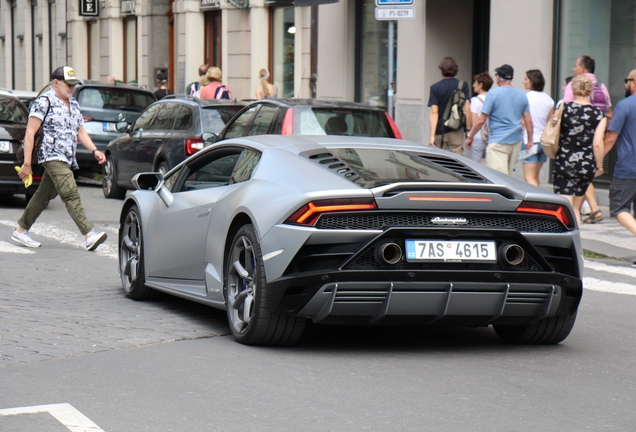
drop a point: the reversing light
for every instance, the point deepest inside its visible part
(396, 132)
(548, 209)
(288, 123)
(308, 214)
(193, 145)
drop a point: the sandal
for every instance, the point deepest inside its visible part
(597, 216)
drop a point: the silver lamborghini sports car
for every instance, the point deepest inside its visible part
(352, 230)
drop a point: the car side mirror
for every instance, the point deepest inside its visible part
(209, 138)
(122, 126)
(153, 181)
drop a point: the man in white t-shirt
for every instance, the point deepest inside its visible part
(541, 106)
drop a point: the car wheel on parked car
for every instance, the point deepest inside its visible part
(546, 331)
(163, 168)
(131, 257)
(249, 315)
(109, 181)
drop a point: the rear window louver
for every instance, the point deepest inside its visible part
(333, 163)
(455, 167)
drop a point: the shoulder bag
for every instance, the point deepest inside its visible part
(37, 140)
(552, 132)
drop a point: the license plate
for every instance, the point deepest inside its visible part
(110, 127)
(451, 251)
(5, 146)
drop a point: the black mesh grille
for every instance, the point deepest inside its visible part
(456, 167)
(382, 220)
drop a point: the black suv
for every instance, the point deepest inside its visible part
(165, 134)
(103, 105)
(13, 121)
(310, 117)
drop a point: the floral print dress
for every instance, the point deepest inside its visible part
(574, 164)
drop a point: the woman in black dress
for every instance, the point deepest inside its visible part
(580, 155)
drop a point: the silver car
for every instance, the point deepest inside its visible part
(352, 230)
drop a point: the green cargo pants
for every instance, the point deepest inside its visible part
(57, 179)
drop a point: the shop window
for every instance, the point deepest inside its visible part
(283, 30)
(212, 54)
(92, 31)
(130, 49)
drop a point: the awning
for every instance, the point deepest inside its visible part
(302, 3)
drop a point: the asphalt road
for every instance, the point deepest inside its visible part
(75, 354)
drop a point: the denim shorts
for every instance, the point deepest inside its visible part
(539, 157)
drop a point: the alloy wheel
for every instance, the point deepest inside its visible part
(241, 284)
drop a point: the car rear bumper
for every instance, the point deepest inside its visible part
(427, 297)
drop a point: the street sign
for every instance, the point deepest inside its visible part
(393, 2)
(394, 13)
(89, 8)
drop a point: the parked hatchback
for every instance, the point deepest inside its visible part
(103, 105)
(165, 134)
(13, 121)
(310, 117)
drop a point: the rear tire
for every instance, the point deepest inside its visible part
(247, 298)
(546, 331)
(163, 168)
(109, 181)
(131, 257)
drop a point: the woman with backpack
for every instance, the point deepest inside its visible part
(481, 85)
(211, 87)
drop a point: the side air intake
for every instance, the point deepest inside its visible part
(335, 164)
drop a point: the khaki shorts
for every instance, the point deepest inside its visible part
(503, 157)
(452, 141)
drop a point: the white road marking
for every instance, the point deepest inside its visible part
(65, 413)
(619, 270)
(14, 248)
(73, 238)
(594, 284)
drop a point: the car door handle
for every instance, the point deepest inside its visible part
(204, 212)
(158, 140)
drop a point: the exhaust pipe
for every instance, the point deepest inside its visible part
(511, 254)
(389, 253)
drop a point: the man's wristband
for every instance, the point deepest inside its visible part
(94, 151)
(599, 169)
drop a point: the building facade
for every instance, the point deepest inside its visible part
(335, 51)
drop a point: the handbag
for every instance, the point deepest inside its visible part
(37, 141)
(552, 132)
(485, 129)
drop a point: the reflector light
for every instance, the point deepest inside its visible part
(288, 123)
(193, 145)
(86, 118)
(308, 214)
(447, 198)
(38, 178)
(547, 209)
(396, 131)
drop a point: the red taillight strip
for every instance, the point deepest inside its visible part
(558, 213)
(288, 123)
(442, 198)
(314, 209)
(396, 131)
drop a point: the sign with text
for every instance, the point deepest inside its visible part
(127, 7)
(393, 2)
(393, 13)
(89, 8)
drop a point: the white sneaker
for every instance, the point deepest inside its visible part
(24, 239)
(585, 209)
(95, 239)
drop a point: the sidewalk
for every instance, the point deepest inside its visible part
(608, 237)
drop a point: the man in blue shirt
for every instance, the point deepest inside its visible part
(622, 132)
(504, 108)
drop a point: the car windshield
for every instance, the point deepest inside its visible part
(12, 110)
(114, 98)
(215, 117)
(337, 121)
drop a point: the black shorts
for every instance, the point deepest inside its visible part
(622, 195)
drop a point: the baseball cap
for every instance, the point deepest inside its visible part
(66, 74)
(505, 71)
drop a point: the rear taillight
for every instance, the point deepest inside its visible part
(548, 209)
(87, 118)
(288, 123)
(308, 214)
(396, 132)
(193, 145)
(37, 178)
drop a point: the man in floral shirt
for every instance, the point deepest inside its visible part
(59, 114)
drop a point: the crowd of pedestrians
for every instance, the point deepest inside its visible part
(504, 124)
